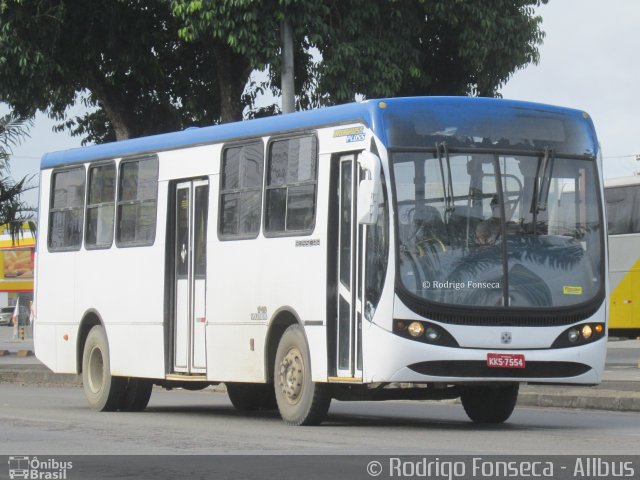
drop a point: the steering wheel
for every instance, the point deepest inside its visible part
(430, 244)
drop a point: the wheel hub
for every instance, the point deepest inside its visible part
(292, 376)
(96, 370)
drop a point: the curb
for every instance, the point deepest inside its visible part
(39, 376)
(611, 400)
(18, 353)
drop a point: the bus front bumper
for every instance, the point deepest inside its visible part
(405, 360)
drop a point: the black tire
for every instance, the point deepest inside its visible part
(300, 401)
(104, 392)
(137, 395)
(247, 397)
(490, 404)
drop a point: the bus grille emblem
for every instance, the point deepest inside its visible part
(506, 337)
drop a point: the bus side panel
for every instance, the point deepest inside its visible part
(45, 346)
(624, 278)
(251, 281)
(245, 299)
(128, 300)
(137, 350)
(54, 296)
(315, 259)
(317, 339)
(235, 352)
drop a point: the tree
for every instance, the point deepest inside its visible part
(436, 47)
(13, 211)
(123, 57)
(377, 48)
(151, 66)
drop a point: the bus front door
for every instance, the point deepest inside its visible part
(192, 200)
(350, 246)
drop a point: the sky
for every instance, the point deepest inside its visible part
(590, 60)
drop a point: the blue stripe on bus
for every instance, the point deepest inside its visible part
(368, 112)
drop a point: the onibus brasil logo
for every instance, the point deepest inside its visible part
(36, 469)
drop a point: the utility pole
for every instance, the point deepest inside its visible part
(288, 89)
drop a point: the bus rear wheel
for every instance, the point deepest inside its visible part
(300, 400)
(247, 397)
(490, 404)
(137, 395)
(104, 392)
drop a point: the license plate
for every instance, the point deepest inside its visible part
(505, 360)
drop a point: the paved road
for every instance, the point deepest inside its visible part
(55, 421)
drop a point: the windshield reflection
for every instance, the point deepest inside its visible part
(498, 230)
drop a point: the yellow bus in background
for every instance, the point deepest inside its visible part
(623, 220)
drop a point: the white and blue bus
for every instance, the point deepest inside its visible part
(409, 248)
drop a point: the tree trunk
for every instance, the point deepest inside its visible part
(116, 109)
(232, 72)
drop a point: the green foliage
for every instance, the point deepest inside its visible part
(13, 211)
(419, 47)
(124, 57)
(13, 130)
(150, 66)
(377, 48)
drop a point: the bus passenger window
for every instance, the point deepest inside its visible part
(241, 191)
(67, 209)
(137, 200)
(100, 206)
(291, 186)
(621, 203)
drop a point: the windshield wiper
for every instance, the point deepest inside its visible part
(541, 185)
(447, 184)
(542, 182)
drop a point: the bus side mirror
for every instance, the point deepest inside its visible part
(369, 188)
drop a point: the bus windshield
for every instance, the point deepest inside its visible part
(498, 230)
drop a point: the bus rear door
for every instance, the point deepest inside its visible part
(190, 276)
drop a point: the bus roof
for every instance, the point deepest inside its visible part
(372, 113)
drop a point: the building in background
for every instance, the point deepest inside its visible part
(16, 267)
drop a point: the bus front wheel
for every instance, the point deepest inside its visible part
(300, 400)
(104, 392)
(488, 403)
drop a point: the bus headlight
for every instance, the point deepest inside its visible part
(432, 334)
(425, 332)
(574, 335)
(580, 335)
(416, 329)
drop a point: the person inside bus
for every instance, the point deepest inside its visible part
(488, 231)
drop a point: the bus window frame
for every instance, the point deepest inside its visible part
(290, 233)
(223, 237)
(51, 210)
(114, 202)
(635, 189)
(118, 202)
